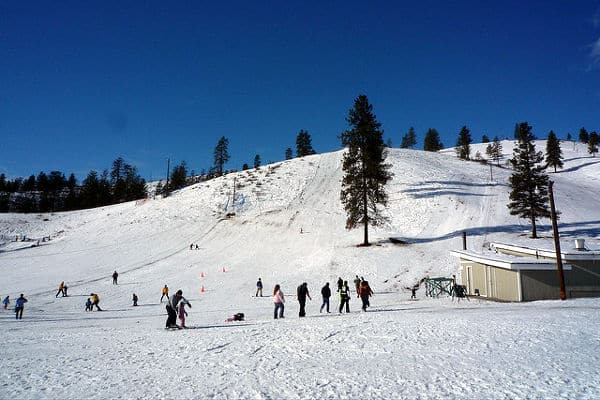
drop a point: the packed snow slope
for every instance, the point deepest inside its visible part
(285, 223)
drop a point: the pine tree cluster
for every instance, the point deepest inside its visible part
(53, 192)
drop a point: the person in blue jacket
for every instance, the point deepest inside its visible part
(19, 306)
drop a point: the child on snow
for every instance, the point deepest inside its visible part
(88, 305)
(182, 313)
(6, 302)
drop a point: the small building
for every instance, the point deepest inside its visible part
(518, 273)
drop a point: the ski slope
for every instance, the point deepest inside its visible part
(288, 228)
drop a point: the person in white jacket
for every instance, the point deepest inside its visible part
(278, 300)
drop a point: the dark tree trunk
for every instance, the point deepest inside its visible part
(533, 227)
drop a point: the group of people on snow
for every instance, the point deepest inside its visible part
(363, 290)
(175, 306)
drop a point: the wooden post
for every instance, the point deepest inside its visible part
(559, 266)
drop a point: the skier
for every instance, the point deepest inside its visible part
(326, 293)
(165, 292)
(19, 306)
(345, 297)
(303, 293)
(95, 300)
(365, 292)
(88, 305)
(115, 275)
(340, 283)
(61, 289)
(357, 284)
(182, 312)
(278, 300)
(135, 300)
(6, 302)
(259, 287)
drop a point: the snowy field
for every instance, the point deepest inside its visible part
(288, 228)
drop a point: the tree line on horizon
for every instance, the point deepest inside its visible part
(51, 192)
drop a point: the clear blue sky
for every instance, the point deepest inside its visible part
(82, 83)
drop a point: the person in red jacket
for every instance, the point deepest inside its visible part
(364, 291)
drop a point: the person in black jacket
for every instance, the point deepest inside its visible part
(345, 297)
(302, 293)
(259, 288)
(326, 293)
(340, 283)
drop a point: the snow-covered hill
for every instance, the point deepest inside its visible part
(286, 225)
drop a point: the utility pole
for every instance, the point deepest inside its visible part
(168, 171)
(559, 266)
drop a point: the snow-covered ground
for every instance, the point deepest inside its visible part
(288, 228)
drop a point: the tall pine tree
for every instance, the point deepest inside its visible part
(593, 144)
(179, 176)
(365, 170)
(117, 180)
(221, 155)
(554, 155)
(528, 183)
(304, 144)
(463, 144)
(409, 140)
(583, 136)
(432, 141)
(288, 153)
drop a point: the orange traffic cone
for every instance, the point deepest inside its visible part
(202, 275)
(224, 269)
(202, 289)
